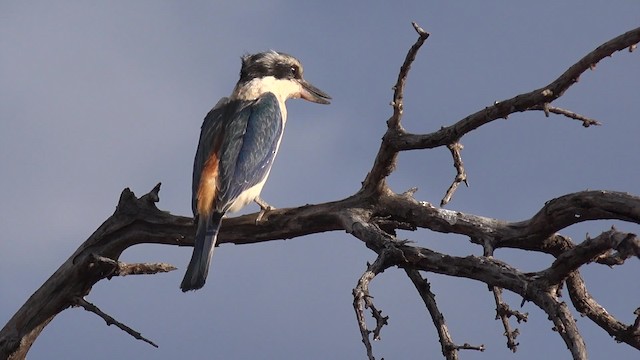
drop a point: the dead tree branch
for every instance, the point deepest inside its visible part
(586, 122)
(587, 305)
(124, 269)
(461, 174)
(503, 313)
(519, 103)
(135, 221)
(363, 300)
(385, 161)
(111, 321)
(449, 348)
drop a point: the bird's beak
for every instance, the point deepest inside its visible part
(313, 94)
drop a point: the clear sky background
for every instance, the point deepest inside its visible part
(99, 96)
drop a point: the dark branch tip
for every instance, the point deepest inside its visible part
(153, 195)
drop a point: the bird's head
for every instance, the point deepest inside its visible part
(278, 73)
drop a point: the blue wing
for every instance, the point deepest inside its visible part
(248, 147)
(210, 140)
(243, 135)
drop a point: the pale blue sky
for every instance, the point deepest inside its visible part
(99, 96)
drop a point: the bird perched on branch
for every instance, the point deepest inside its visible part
(239, 140)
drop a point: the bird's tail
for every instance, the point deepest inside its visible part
(206, 236)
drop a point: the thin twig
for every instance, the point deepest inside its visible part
(466, 346)
(503, 312)
(449, 348)
(586, 122)
(363, 300)
(461, 174)
(398, 93)
(111, 321)
(385, 160)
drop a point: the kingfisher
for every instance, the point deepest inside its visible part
(239, 140)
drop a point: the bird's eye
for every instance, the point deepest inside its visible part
(295, 72)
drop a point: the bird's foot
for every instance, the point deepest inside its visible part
(264, 208)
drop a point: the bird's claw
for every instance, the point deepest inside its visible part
(264, 208)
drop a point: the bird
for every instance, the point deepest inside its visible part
(239, 140)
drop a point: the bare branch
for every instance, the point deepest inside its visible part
(386, 159)
(362, 300)
(143, 269)
(449, 348)
(518, 103)
(628, 247)
(135, 221)
(461, 175)
(586, 305)
(564, 324)
(493, 273)
(581, 254)
(503, 312)
(124, 269)
(398, 94)
(586, 122)
(111, 321)
(466, 346)
(536, 233)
